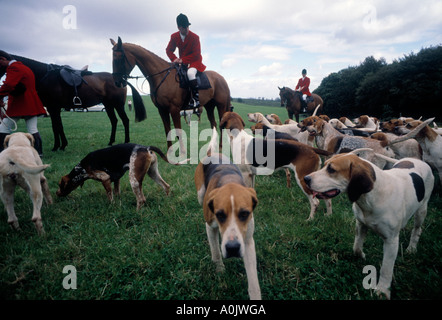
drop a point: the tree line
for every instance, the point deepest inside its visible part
(409, 86)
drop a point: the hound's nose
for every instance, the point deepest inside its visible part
(308, 180)
(233, 249)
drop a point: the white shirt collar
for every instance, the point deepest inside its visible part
(11, 62)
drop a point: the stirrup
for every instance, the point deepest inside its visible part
(77, 101)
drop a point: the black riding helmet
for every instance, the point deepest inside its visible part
(182, 21)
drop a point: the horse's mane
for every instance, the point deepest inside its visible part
(150, 53)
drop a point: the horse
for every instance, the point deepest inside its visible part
(97, 87)
(293, 98)
(165, 90)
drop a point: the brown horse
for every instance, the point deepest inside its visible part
(292, 101)
(98, 87)
(165, 90)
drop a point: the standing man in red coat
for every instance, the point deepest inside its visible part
(302, 86)
(23, 100)
(189, 49)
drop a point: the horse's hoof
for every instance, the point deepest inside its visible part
(54, 148)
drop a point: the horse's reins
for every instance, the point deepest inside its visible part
(126, 76)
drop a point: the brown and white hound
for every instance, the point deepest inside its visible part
(248, 153)
(328, 138)
(228, 206)
(383, 200)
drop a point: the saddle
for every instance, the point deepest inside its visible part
(201, 77)
(71, 77)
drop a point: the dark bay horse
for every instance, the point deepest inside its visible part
(165, 90)
(99, 88)
(291, 99)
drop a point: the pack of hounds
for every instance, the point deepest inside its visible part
(386, 169)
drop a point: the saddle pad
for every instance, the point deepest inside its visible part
(203, 80)
(201, 77)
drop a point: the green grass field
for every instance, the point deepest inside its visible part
(161, 252)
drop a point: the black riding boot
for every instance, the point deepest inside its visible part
(195, 100)
(2, 140)
(303, 106)
(38, 144)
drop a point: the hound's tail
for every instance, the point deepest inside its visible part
(360, 150)
(316, 110)
(164, 157)
(413, 133)
(22, 164)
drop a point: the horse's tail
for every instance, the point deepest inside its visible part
(140, 109)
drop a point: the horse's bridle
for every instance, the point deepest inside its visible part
(125, 76)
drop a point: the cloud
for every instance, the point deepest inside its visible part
(251, 40)
(275, 69)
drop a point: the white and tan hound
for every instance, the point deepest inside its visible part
(21, 165)
(297, 156)
(328, 138)
(228, 206)
(291, 128)
(383, 201)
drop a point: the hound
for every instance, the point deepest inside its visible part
(228, 209)
(328, 138)
(21, 165)
(428, 139)
(273, 118)
(291, 129)
(366, 123)
(110, 164)
(299, 157)
(405, 149)
(383, 201)
(391, 125)
(347, 122)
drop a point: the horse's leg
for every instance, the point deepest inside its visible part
(123, 116)
(55, 121)
(166, 123)
(297, 116)
(210, 109)
(176, 118)
(113, 120)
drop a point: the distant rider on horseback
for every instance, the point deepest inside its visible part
(189, 48)
(302, 87)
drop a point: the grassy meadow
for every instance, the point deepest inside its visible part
(161, 252)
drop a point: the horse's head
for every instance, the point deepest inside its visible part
(122, 63)
(282, 95)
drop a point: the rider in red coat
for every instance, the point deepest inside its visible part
(189, 50)
(23, 100)
(302, 86)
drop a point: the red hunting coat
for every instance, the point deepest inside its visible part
(189, 50)
(25, 103)
(304, 83)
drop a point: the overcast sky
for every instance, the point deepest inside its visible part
(257, 45)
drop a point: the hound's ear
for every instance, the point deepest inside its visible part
(243, 123)
(223, 122)
(362, 178)
(31, 138)
(6, 142)
(254, 197)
